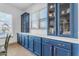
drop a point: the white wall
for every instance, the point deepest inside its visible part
(15, 18)
(34, 8)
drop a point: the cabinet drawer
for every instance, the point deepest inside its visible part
(62, 44)
(38, 39)
(61, 51)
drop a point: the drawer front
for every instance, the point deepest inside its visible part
(45, 40)
(62, 44)
(38, 39)
(61, 51)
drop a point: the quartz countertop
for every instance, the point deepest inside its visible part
(66, 39)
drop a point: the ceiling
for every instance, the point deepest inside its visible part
(21, 6)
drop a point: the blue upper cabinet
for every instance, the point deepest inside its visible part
(52, 18)
(67, 19)
(25, 22)
(63, 19)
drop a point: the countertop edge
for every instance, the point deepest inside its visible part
(71, 40)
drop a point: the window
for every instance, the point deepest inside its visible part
(35, 20)
(39, 19)
(43, 18)
(5, 23)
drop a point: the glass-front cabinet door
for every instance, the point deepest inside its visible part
(52, 18)
(65, 19)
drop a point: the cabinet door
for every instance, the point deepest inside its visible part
(25, 22)
(18, 38)
(61, 51)
(75, 49)
(52, 13)
(26, 41)
(30, 43)
(47, 50)
(37, 48)
(23, 40)
(65, 19)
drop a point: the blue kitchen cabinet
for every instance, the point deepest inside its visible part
(62, 18)
(75, 49)
(61, 51)
(31, 43)
(52, 19)
(25, 22)
(65, 18)
(26, 41)
(22, 40)
(55, 48)
(19, 38)
(47, 49)
(37, 45)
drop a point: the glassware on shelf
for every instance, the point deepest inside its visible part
(51, 6)
(50, 14)
(68, 10)
(52, 23)
(62, 12)
(51, 30)
(54, 13)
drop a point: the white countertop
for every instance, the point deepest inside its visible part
(72, 40)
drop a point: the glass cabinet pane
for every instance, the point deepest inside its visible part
(51, 18)
(64, 18)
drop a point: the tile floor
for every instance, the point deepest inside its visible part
(17, 50)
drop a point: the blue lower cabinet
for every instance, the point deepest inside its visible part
(47, 49)
(23, 40)
(26, 41)
(18, 38)
(37, 48)
(75, 49)
(61, 51)
(30, 43)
